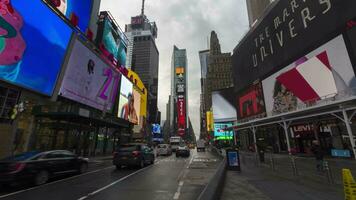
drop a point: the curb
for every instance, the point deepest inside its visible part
(213, 189)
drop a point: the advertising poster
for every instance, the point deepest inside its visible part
(250, 102)
(219, 131)
(88, 80)
(32, 50)
(82, 9)
(181, 116)
(223, 105)
(233, 159)
(126, 108)
(324, 73)
(137, 107)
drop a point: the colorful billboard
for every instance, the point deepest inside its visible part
(88, 80)
(224, 109)
(286, 32)
(324, 73)
(126, 108)
(181, 118)
(209, 121)
(137, 108)
(32, 50)
(82, 9)
(220, 132)
(250, 103)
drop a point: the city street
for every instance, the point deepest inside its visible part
(168, 178)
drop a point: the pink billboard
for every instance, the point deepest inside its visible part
(322, 74)
(88, 80)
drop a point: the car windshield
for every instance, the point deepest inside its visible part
(22, 156)
(162, 146)
(129, 148)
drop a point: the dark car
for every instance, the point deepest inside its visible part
(135, 154)
(183, 150)
(39, 167)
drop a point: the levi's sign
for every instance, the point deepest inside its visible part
(290, 29)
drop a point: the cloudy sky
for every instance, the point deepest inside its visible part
(186, 24)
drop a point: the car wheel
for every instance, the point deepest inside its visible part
(118, 167)
(83, 168)
(142, 164)
(41, 177)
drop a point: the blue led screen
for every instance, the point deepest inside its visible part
(32, 50)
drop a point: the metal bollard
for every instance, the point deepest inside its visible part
(328, 172)
(294, 166)
(272, 163)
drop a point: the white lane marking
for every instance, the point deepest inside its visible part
(177, 194)
(181, 183)
(51, 183)
(118, 181)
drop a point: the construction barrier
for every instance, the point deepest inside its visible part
(349, 185)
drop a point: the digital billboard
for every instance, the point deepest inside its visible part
(88, 80)
(224, 105)
(32, 50)
(181, 118)
(112, 38)
(250, 102)
(156, 128)
(137, 107)
(323, 73)
(220, 132)
(82, 9)
(126, 108)
(285, 33)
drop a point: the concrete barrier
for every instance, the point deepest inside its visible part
(214, 188)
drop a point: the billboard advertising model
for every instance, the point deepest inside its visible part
(126, 108)
(137, 107)
(32, 50)
(323, 73)
(88, 80)
(82, 9)
(224, 105)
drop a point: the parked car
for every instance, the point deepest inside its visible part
(164, 149)
(39, 167)
(183, 150)
(134, 154)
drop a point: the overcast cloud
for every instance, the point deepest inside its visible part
(186, 24)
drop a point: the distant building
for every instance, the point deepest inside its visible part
(142, 57)
(255, 9)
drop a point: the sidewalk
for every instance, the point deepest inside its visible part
(256, 183)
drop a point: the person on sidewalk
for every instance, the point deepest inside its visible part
(319, 155)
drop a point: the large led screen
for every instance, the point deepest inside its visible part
(126, 108)
(220, 130)
(89, 80)
(324, 73)
(224, 105)
(31, 49)
(250, 103)
(81, 8)
(137, 107)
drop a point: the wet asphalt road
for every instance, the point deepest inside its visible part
(168, 178)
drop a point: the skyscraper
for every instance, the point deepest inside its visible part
(142, 57)
(255, 9)
(179, 93)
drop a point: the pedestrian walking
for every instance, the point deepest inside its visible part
(319, 155)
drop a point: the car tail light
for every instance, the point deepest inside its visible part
(14, 168)
(136, 153)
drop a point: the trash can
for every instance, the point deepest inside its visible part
(233, 159)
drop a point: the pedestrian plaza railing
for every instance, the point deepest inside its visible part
(301, 167)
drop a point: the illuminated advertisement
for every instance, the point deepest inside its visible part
(82, 9)
(324, 73)
(220, 132)
(224, 105)
(112, 39)
(32, 50)
(181, 116)
(88, 80)
(209, 121)
(250, 102)
(126, 108)
(156, 128)
(137, 107)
